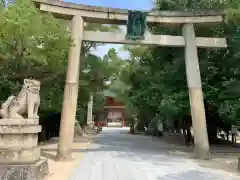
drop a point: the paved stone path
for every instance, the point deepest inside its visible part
(116, 155)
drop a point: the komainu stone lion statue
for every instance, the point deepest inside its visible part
(27, 101)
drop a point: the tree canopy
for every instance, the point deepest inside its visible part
(36, 45)
(150, 81)
(157, 80)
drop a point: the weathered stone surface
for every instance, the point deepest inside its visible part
(17, 121)
(36, 171)
(78, 131)
(9, 129)
(16, 141)
(89, 129)
(19, 156)
(19, 144)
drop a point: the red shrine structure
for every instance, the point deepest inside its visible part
(114, 113)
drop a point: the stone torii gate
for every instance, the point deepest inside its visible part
(78, 14)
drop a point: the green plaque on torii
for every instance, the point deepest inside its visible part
(136, 25)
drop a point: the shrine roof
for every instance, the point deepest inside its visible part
(108, 93)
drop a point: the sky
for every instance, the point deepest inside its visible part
(124, 4)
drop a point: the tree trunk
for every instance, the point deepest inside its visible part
(212, 133)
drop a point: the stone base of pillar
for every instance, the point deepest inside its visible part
(19, 151)
(89, 129)
(19, 156)
(78, 131)
(90, 125)
(19, 141)
(35, 171)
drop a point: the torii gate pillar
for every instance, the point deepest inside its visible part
(195, 93)
(71, 91)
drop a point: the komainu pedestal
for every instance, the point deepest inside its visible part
(19, 151)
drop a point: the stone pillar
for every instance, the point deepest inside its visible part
(71, 92)
(89, 112)
(195, 93)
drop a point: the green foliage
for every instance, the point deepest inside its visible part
(32, 45)
(35, 44)
(151, 81)
(157, 81)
